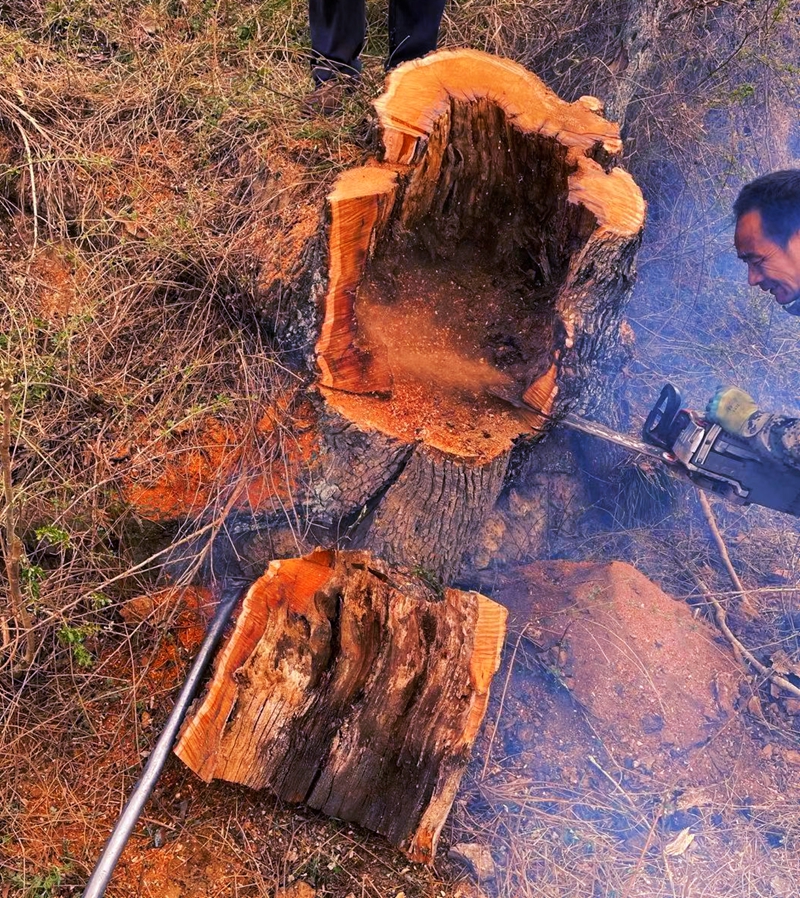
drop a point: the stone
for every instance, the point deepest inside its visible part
(792, 757)
(476, 857)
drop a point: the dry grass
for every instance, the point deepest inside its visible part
(158, 186)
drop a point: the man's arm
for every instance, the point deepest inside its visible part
(776, 436)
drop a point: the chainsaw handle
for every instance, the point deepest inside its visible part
(658, 427)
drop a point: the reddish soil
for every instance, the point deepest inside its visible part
(625, 740)
(180, 473)
(56, 275)
(653, 680)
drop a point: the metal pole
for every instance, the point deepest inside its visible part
(96, 886)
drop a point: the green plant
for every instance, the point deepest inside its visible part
(74, 637)
(31, 577)
(742, 93)
(40, 885)
(53, 536)
(99, 600)
(431, 579)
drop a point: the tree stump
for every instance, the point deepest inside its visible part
(354, 688)
(476, 283)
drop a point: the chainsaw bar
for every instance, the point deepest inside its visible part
(574, 422)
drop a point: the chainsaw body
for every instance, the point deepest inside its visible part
(718, 461)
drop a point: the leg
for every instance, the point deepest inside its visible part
(413, 29)
(337, 37)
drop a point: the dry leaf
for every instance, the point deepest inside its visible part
(680, 843)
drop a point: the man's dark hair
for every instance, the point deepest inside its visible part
(776, 197)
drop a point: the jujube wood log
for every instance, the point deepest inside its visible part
(353, 688)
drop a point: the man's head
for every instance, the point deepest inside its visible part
(767, 235)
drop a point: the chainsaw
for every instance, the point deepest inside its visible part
(704, 453)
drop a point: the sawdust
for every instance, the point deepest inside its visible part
(452, 333)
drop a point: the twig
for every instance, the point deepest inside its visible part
(20, 111)
(747, 606)
(722, 622)
(34, 200)
(640, 860)
(13, 544)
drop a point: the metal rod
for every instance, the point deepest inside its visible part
(96, 886)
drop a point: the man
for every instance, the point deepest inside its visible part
(338, 31)
(767, 239)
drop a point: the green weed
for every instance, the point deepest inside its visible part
(52, 536)
(74, 638)
(39, 885)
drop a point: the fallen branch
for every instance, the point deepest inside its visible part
(747, 606)
(34, 200)
(741, 651)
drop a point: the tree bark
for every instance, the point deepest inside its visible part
(353, 688)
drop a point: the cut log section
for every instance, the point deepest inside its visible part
(353, 688)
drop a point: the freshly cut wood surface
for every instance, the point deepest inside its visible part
(419, 92)
(353, 688)
(359, 204)
(496, 234)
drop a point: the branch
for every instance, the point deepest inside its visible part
(748, 606)
(13, 544)
(741, 651)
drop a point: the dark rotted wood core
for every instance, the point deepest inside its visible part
(353, 688)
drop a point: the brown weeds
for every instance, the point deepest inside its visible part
(158, 189)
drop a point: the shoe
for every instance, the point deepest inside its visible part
(328, 97)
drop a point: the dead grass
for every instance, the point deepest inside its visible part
(158, 190)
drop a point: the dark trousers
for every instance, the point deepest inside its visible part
(338, 30)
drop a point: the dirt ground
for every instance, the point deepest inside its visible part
(628, 748)
(624, 748)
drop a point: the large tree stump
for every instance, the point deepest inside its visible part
(353, 688)
(476, 284)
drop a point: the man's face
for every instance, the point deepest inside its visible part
(769, 266)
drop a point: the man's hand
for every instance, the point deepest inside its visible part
(732, 409)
